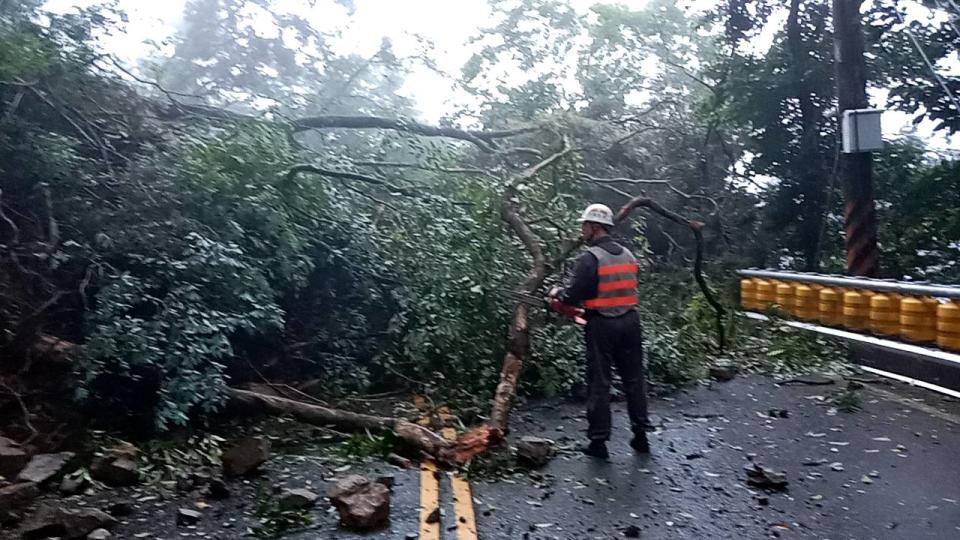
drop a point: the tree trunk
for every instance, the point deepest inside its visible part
(811, 163)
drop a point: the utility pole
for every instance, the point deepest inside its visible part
(856, 174)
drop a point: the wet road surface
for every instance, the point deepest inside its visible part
(891, 470)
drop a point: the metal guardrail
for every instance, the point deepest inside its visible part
(900, 287)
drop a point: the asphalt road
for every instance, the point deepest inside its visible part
(891, 470)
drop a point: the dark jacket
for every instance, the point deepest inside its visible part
(584, 283)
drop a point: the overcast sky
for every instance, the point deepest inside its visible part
(447, 23)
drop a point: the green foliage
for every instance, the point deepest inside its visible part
(776, 349)
(23, 55)
(274, 521)
(679, 335)
(365, 445)
(848, 401)
(918, 209)
(182, 256)
(183, 286)
(164, 460)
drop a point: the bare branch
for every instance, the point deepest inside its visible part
(684, 70)
(405, 165)
(26, 413)
(596, 180)
(480, 139)
(535, 169)
(347, 175)
(10, 223)
(420, 192)
(636, 132)
(171, 94)
(13, 105)
(522, 150)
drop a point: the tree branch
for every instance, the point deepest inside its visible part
(535, 169)
(696, 227)
(405, 165)
(347, 175)
(596, 180)
(481, 139)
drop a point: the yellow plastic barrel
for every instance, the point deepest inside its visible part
(748, 293)
(948, 325)
(918, 318)
(885, 314)
(856, 310)
(830, 308)
(786, 297)
(766, 294)
(806, 299)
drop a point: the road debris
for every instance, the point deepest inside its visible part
(764, 478)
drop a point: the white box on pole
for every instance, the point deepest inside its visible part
(861, 130)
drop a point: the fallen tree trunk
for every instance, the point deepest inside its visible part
(413, 434)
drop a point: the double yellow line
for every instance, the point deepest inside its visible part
(430, 521)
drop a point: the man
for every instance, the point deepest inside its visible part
(605, 284)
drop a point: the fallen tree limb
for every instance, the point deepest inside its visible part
(413, 434)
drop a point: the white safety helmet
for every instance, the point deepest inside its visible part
(598, 213)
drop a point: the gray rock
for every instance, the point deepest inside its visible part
(723, 372)
(12, 458)
(361, 503)
(388, 480)
(246, 456)
(120, 509)
(187, 517)
(115, 472)
(60, 522)
(297, 499)
(43, 467)
(17, 495)
(99, 534)
(761, 477)
(117, 466)
(534, 451)
(217, 489)
(73, 484)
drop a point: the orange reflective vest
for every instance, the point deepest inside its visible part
(616, 283)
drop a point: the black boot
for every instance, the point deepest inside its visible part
(639, 443)
(597, 449)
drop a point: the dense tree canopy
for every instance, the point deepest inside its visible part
(260, 205)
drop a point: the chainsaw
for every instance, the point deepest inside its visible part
(571, 312)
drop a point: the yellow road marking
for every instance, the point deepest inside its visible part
(429, 500)
(466, 520)
(462, 498)
(429, 486)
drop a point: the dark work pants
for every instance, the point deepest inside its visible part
(615, 341)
